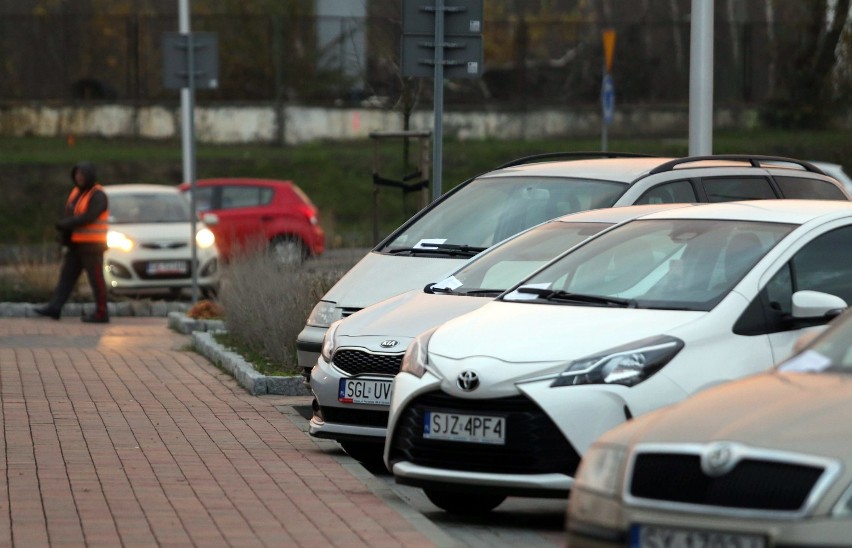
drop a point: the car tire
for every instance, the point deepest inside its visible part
(368, 454)
(464, 503)
(288, 251)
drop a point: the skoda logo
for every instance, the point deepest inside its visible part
(719, 459)
(468, 380)
(388, 343)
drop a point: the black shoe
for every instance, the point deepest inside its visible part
(49, 312)
(95, 319)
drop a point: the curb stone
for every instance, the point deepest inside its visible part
(247, 376)
(116, 309)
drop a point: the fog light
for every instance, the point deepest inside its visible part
(118, 271)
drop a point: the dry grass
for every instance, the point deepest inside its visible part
(266, 305)
(32, 277)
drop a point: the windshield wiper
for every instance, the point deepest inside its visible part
(433, 288)
(483, 292)
(566, 296)
(439, 249)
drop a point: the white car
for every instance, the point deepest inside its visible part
(504, 400)
(361, 354)
(762, 461)
(149, 241)
(488, 209)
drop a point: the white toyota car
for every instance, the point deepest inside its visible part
(361, 354)
(504, 400)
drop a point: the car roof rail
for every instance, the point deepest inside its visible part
(754, 160)
(573, 155)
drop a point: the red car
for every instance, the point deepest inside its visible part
(247, 213)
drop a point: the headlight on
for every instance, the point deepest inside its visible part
(205, 238)
(627, 365)
(328, 342)
(600, 469)
(324, 314)
(416, 357)
(117, 240)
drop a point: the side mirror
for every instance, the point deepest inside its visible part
(210, 219)
(815, 304)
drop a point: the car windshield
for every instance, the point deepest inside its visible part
(502, 267)
(832, 352)
(679, 264)
(147, 208)
(490, 209)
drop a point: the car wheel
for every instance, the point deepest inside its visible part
(368, 454)
(458, 502)
(287, 251)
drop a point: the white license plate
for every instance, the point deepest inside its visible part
(364, 391)
(653, 536)
(438, 425)
(170, 267)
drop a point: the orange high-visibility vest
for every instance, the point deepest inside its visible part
(92, 233)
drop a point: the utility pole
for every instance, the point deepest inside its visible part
(701, 79)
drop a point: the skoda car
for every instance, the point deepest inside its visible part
(361, 354)
(149, 242)
(491, 207)
(763, 461)
(505, 400)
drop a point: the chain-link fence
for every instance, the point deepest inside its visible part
(346, 61)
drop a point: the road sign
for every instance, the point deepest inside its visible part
(608, 98)
(609, 47)
(462, 56)
(463, 17)
(205, 47)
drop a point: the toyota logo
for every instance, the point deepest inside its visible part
(468, 380)
(388, 343)
(719, 459)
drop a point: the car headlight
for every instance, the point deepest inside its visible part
(205, 238)
(600, 469)
(117, 240)
(843, 508)
(416, 357)
(328, 343)
(627, 365)
(324, 314)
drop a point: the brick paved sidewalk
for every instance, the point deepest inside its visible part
(118, 435)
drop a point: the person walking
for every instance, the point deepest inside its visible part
(83, 232)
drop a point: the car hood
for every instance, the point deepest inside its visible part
(377, 277)
(162, 232)
(541, 333)
(403, 317)
(800, 412)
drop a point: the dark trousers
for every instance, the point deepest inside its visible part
(74, 262)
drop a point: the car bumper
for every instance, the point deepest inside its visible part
(597, 520)
(340, 420)
(532, 485)
(131, 272)
(309, 345)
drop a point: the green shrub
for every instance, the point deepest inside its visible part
(266, 305)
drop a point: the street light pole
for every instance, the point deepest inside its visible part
(187, 103)
(701, 79)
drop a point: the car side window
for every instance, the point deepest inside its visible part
(729, 189)
(817, 267)
(675, 192)
(241, 196)
(810, 189)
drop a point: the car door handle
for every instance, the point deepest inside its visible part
(265, 218)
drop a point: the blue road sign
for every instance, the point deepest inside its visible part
(608, 98)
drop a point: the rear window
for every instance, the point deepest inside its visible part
(809, 189)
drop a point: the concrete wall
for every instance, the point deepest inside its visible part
(296, 125)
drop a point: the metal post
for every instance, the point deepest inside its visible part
(187, 102)
(437, 133)
(701, 79)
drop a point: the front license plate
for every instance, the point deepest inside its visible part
(364, 391)
(170, 267)
(438, 425)
(653, 536)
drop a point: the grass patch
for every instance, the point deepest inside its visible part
(261, 362)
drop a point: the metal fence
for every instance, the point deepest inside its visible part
(344, 61)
